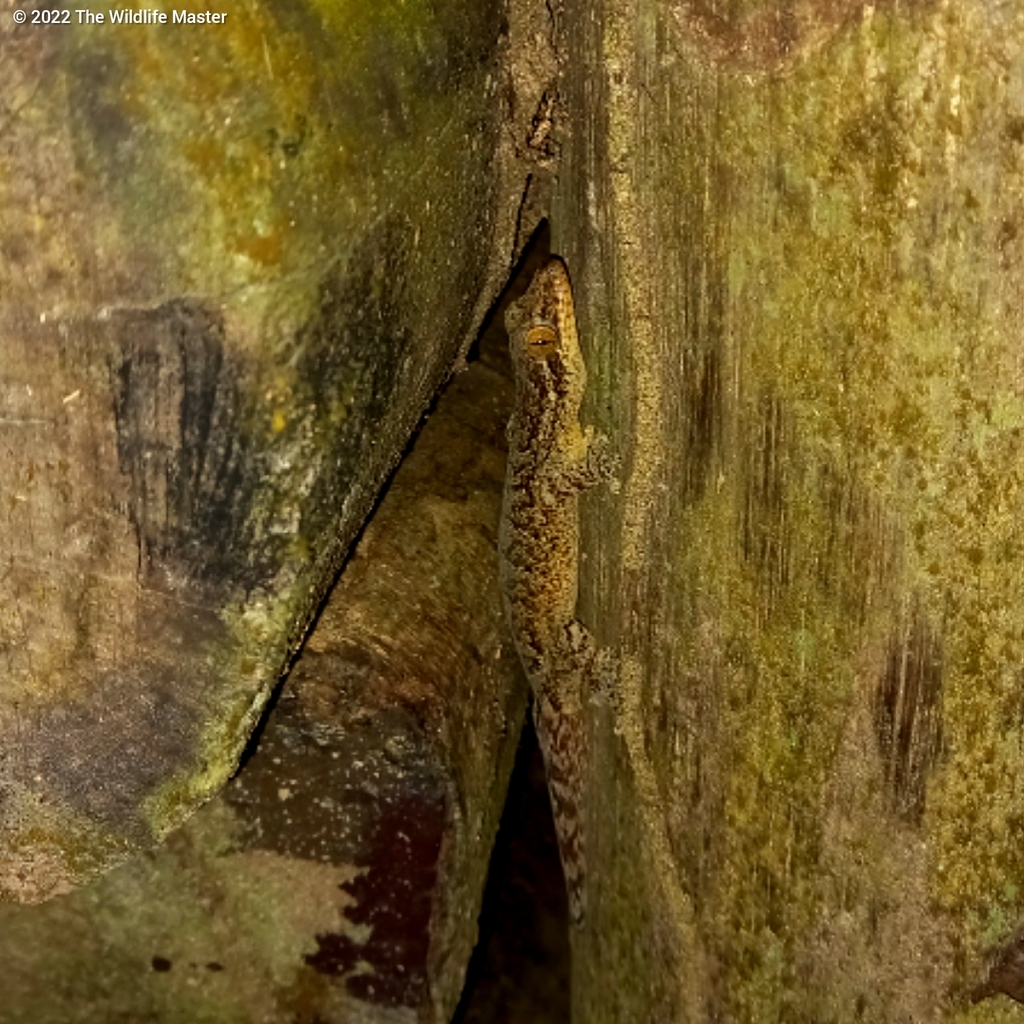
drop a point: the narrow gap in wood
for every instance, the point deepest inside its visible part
(519, 972)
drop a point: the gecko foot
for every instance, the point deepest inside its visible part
(604, 677)
(601, 462)
(597, 666)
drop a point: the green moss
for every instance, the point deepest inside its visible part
(874, 369)
(71, 847)
(232, 928)
(269, 138)
(992, 1011)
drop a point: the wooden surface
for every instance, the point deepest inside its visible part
(794, 236)
(236, 262)
(338, 877)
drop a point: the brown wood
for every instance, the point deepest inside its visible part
(338, 876)
(793, 232)
(236, 262)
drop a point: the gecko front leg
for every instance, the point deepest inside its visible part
(551, 459)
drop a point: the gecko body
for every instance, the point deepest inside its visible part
(551, 459)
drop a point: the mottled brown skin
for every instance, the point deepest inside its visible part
(551, 459)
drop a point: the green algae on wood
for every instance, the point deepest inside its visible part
(235, 263)
(795, 248)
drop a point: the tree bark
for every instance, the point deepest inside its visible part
(794, 234)
(338, 876)
(236, 262)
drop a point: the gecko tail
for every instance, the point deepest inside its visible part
(562, 742)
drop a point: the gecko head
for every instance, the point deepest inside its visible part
(542, 334)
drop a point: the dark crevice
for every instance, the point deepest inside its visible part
(519, 972)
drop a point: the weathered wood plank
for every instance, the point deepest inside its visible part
(236, 262)
(794, 237)
(338, 876)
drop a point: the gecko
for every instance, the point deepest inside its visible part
(551, 459)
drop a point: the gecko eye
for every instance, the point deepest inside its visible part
(541, 339)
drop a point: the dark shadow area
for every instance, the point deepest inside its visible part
(519, 973)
